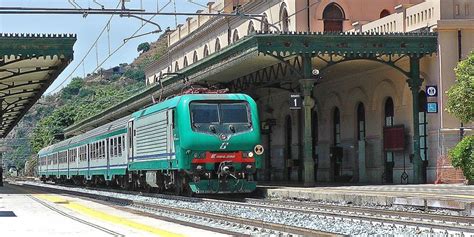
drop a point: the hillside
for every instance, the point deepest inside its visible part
(81, 98)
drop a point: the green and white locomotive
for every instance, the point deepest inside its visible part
(193, 143)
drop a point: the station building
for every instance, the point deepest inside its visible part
(359, 67)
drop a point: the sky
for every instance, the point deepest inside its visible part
(88, 29)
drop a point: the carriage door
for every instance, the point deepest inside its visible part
(107, 157)
(131, 135)
(170, 136)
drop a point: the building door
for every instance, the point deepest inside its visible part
(315, 136)
(361, 142)
(333, 17)
(336, 150)
(288, 142)
(423, 134)
(131, 135)
(389, 156)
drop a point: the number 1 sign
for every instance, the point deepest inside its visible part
(295, 101)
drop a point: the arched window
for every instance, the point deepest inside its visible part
(185, 62)
(217, 46)
(251, 28)
(336, 125)
(360, 122)
(265, 27)
(205, 53)
(284, 20)
(389, 112)
(333, 17)
(389, 156)
(195, 57)
(384, 13)
(176, 66)
(235, 36)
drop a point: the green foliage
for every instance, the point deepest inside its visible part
(462, 156)
(137, 74)
(72, 89)
(47, 128)
(143, 47)
(461, 95)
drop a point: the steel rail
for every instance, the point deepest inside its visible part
(445, 222)
(198, 214)
(374, 211)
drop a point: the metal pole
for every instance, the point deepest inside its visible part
(415, 83)
(307, 86)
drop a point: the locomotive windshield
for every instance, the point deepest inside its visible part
(220, 115)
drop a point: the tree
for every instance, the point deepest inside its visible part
(461, 94)
(143, 47)
(461, 105)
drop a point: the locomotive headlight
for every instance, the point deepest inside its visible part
(250, 154)
(196, 155)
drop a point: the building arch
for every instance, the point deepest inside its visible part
(217, 46)
(205, 52)
(264, 25)
(195, 56)
(333, 17)
(235, 36)
(384, 13)
(284, 18)
(185, 62)
(250, 28)
(176, 66)
(386, 88)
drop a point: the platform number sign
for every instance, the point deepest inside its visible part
(295, 101)
(431, 91)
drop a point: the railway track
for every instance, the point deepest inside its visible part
(197, 218)
(418, 222)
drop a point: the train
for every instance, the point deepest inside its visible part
(189, 144)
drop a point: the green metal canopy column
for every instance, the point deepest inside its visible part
(307, 85)
(415, 83)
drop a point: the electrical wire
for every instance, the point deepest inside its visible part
(87, 53)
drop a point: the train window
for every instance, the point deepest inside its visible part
(111, 147)
(123, 143)
(234, 113)
(103, 149)
(119, 146)
(115, 146)
(204, 113)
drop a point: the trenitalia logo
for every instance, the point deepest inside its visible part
(223, 156)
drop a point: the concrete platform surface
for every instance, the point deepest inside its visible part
(25, 212)
(457, 197)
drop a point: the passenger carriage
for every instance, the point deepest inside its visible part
(194, 143)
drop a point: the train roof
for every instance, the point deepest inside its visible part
(122, 122)
(104, 129)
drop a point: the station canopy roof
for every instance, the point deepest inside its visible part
(29, 63)
(262, 50)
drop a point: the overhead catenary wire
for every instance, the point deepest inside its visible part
(85, 56)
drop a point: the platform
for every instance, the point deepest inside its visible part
(24, 212)
(457, 197)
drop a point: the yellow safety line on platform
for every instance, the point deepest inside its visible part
(104, 216)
